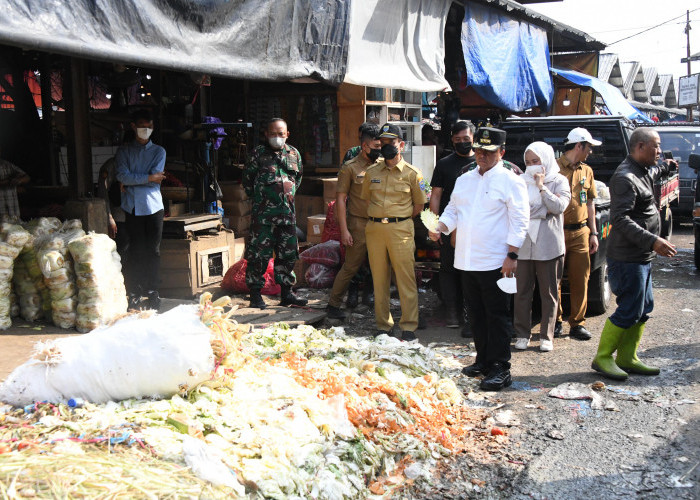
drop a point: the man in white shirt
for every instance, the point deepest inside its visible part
(489, 207)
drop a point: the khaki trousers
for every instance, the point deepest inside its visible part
(548, 274)
(392, 246)
(577, 261)
(355, 256)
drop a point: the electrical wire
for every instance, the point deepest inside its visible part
(651, 28)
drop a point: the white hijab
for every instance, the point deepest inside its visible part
(551, 169)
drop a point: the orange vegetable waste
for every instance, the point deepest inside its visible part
(5, 448)
(497, 431)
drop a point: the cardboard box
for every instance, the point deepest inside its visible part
(238, 249)
(175, 209)
(92, 213)
(237, 208)
(329, 187)
(239, 223)
(232, 191)
(306, 206)
(314, 229)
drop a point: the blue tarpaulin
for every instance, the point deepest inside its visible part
(613, 98)
(507, 61)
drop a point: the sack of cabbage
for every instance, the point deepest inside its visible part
(56, 265)
(101, 292)
(12, 239)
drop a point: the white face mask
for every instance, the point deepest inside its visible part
(276, 142)
(144, 133)
(531, 170)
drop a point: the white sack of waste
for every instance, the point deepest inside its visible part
(136, 357)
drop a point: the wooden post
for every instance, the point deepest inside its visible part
(75, 93)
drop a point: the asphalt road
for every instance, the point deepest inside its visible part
(645, 445)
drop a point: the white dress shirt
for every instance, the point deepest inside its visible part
(490, 212)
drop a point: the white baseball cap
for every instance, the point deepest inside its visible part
(580, 134)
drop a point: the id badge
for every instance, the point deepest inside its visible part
(582, 196)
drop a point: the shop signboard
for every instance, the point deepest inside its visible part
(688, 87)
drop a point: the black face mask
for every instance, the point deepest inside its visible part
(463, 148)
(374, 154)
(389, 151)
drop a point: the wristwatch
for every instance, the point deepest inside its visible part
(512, 255)
(593, 234)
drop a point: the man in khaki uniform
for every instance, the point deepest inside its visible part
(352, 225)
(395, 193)
(580, 234)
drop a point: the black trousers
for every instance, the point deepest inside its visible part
(450, 278)
(142, 272)
(489, 310)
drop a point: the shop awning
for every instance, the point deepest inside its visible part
(398, 44)
(613, 98)
(507, 60)
(246, 39)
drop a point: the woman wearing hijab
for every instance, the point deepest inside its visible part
(542, 255)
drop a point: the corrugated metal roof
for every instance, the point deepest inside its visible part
(651, 81)
(606, 62)
(562, 38)
(646, 105)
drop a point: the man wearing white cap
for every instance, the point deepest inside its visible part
(580, 234)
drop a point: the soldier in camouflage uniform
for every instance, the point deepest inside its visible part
(271, 179)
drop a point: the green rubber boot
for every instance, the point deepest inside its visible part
(627, 353)
(603, 362)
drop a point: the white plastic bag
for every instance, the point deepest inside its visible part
(135, 357)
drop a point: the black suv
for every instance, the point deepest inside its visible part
(682, 140)
(694, 164)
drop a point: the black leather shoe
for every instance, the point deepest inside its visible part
(473, 370)
(135, 302)
(377, 333)
(580, 333)
(452, 320)
(289, 298)
(352, 300)
(558, 333)
(467, 331)
(153, 301)
(498, 378)
(256, 300)
(335, 312)
(407, 336)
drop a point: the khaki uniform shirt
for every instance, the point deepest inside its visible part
(350, 179)
(393, 191)
(580, 177)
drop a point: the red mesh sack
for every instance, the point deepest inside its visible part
(331, 229)
(320, 276)
(327, 253)
(234, 279)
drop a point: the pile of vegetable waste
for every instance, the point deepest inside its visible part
(286, 413)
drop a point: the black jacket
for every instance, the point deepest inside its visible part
(634, 216)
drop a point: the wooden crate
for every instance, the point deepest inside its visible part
(191, 266)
